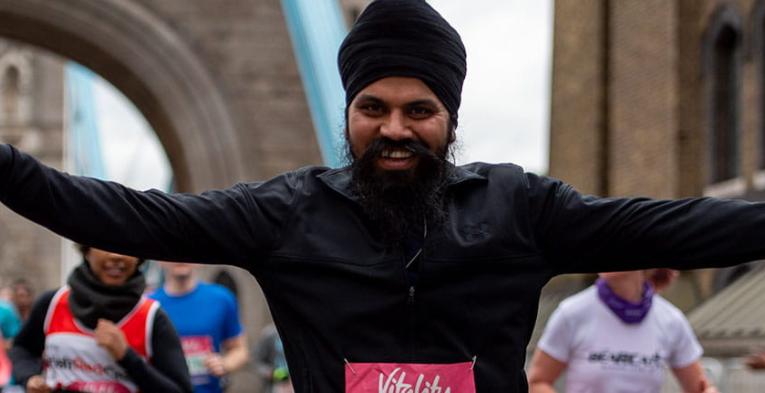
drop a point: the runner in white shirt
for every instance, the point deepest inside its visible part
(617, 336)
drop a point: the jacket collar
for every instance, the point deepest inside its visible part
(340, 179)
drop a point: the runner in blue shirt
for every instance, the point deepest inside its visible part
(206, 317)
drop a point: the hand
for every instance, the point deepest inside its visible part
(36, 384)
(756, 361)
(214, 363)
(710, 389)
(706, 387)
(111, 338)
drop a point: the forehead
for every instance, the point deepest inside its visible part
(398, 89)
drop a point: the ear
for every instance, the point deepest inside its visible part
(452, 129)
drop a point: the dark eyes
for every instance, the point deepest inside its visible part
(371, 108)
(420, 112)
(416, 111)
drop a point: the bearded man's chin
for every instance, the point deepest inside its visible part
(398, 202)
(398, 178)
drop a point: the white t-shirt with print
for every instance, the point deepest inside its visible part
(606, 355)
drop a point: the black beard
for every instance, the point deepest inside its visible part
(399, 203)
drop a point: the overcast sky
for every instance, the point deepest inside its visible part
(505, 105)
(132, 153)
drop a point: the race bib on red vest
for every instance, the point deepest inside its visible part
(409, 378)
(98, 387)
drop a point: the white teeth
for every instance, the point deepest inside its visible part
(388, 153)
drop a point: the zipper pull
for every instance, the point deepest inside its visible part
(347, 363)
(410, 299)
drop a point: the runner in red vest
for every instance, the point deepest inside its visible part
(99, 334)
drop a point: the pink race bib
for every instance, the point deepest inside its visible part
(98, 387)
(409, 378)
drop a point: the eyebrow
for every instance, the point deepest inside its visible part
(369, 97)
(424, 101)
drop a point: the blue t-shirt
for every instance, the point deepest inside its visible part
(204, 318)
(10, 322)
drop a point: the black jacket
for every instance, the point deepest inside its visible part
(336, 294)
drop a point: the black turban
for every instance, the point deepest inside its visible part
(404, 38)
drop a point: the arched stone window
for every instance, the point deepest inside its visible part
(15, 91)
(722, 49)
(10, 96)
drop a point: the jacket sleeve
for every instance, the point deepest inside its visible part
(588, 234)
(26, 353)
(167, 371)
(223, 226)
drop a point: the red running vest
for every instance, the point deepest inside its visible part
(72, 359)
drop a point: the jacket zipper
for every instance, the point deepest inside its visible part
(412, 313)
(410, 297)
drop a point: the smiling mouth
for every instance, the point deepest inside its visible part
(397, 154)
(115, 271)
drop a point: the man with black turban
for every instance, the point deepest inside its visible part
(402, 272)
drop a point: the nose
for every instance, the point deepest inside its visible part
(396, 127)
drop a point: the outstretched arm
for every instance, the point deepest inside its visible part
(234, 353)
(543, 372)
(231, 226)
(693, 380)
(588, 234)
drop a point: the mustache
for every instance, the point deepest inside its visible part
(381, 144)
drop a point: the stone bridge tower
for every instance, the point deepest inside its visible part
(31, 117)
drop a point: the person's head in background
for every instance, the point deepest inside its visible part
(110, 268)
(19, 293)
(180, 277)
(661, 279)
(634, 284)
(22, 296)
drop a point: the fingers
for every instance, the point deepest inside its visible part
(36, 384)
(106, 325)
(214, 364)
(756, 361)
(110, 337)
(706, 387)
(103, 333)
